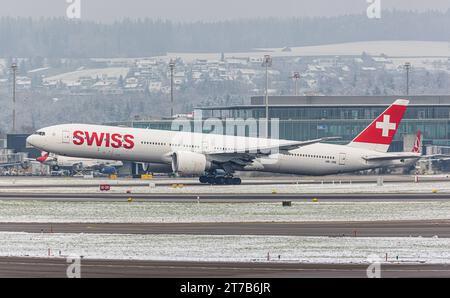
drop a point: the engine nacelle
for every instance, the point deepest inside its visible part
(189, 163)
(254, 166)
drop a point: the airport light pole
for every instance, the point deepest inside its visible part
(407, 68)
(14, 71)
(171, 67)
(267, 62)
(296, 77)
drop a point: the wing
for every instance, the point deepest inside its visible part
(246, 156)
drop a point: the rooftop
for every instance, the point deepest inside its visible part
(283, 101)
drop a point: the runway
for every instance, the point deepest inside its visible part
(74, 182)
(219, 197)
(426, 228)
(53, 268)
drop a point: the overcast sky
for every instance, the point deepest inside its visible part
(192, 10)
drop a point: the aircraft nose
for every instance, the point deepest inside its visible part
(31, 140)
(34, 140)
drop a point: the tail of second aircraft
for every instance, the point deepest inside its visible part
(379, 134)
(416, 147)
(43, 157)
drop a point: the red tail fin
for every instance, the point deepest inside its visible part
(379, 134)
(43, 157)
(417, 147)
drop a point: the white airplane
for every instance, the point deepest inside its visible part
(75, 164)
(215, 158)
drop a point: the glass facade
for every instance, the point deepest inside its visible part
(325, 112)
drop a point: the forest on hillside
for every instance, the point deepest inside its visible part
(63, 38)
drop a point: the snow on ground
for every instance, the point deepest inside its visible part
(428, 63)
(336, 187)
(74, 76)
(391, 48)
(226, 248)
(165, 212)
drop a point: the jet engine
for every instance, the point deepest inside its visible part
(189, 163)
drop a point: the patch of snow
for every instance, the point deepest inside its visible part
(394, 48)
(165, 212)
(226, 248)
(74, 76)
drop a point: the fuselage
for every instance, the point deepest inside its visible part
(157, 146)
(69, 162)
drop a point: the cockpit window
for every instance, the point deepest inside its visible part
(40, 133)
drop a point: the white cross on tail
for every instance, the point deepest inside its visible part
(386, 125)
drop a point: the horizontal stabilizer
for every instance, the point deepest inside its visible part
(388, 157)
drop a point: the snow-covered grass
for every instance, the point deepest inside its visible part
(337, 187)
(226, 248)
(165, 212)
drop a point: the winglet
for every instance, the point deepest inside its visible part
(401, 102)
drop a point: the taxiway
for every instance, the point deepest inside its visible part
(426, 228)
(48, 267)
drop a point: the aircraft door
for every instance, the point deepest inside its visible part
(342, 159)
(66, 137)
(205, 144)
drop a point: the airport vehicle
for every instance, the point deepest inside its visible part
(215, 158)
(76, 164)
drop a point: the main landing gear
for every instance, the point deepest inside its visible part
(220, 180)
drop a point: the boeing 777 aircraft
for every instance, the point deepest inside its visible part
(215, 158)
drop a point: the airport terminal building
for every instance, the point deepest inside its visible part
(311, 117)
